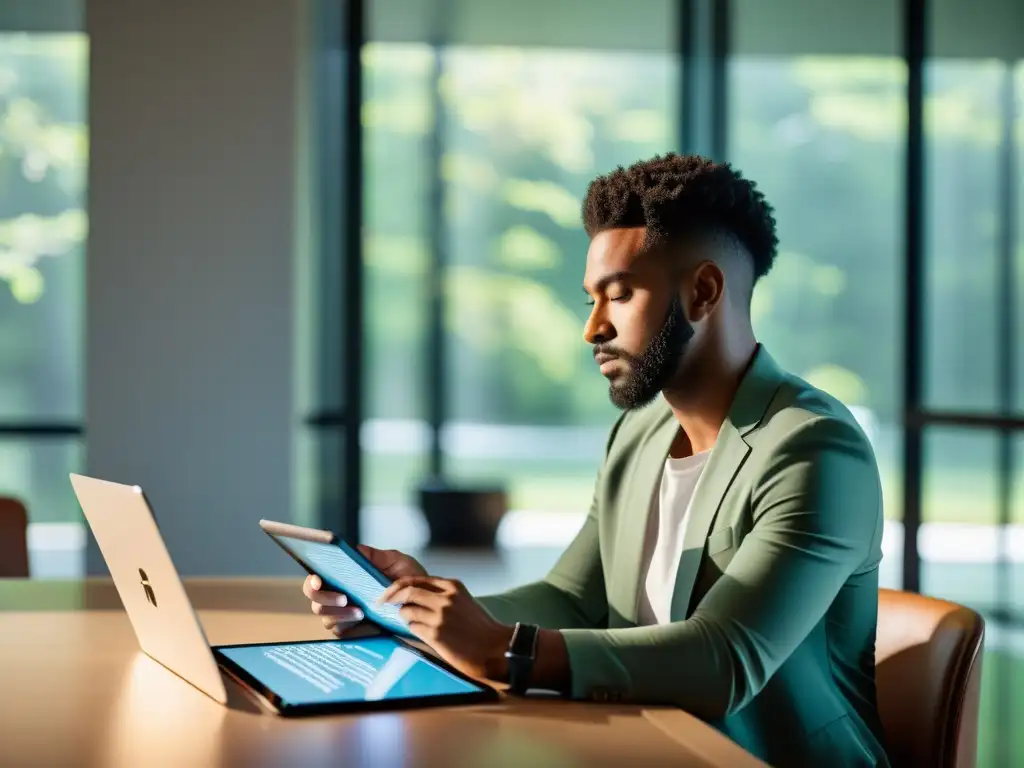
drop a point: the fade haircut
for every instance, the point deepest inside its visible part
(682, 196)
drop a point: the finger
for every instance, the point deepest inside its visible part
(418, 614)
(381, 558)
(424, 632)
(337, 626)
(350, 613)
(396, 586)
(408, 582)
(426, 598)
(313, 588)
(311, 584)
(328, 597)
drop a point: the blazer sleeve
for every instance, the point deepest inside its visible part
(816, 511)
(572, 595)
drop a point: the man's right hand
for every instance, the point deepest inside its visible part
(333, 608)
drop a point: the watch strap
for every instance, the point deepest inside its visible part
(521, 653)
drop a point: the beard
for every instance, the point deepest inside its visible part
(653, 369)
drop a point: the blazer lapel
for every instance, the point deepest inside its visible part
(726, 458)
(731, 449)
(642, 485)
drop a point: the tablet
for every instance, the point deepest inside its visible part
(357, 674)
(342, 568)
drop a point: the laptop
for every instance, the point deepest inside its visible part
(292, 678)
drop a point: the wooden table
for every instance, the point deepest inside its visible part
(78, 692)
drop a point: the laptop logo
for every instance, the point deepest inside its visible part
(150, 594)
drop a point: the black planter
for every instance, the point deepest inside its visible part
(462, 518)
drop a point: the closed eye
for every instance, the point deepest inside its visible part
(621, 298)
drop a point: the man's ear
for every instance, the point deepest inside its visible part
(706, 292)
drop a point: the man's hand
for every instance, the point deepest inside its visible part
(443, 614)
(333, 608)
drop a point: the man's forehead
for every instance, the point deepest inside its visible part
(619, 251)
(620, 246)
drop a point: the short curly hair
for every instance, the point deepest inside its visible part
(675, 196)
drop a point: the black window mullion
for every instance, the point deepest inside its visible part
(914, 45)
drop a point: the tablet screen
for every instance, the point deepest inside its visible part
(343, 569)
(334, 671)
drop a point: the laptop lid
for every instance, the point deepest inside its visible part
(150, 588)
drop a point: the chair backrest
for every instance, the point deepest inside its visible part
(928, 656)
(13, 539)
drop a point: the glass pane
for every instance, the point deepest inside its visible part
(396, 122)
(1000, 741)
(960, 540)
(395, 455)
(1019, 253)
(43, 155)
(525, 133)
(970, 80)
(823, 135)
(963, 231)
(1017, 510)
(36, 473)
(527, 124)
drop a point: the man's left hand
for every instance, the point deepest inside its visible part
(443, 614)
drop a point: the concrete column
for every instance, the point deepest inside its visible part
(196, 112)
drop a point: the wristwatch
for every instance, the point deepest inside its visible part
(522, 650)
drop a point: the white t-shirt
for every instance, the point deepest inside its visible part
(663, 544)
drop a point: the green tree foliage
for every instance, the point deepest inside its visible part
(43, 157)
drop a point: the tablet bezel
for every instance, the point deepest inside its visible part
(486, 694)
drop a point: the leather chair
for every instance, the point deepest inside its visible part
(13, 539)
(928, 656)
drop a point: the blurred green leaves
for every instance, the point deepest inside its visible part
(524, 248)
(399, 255)
(26, 239)
(545, 197)
(26, 285)
(842, 383)
(639, 126)
(43, 156)
(495, 311)
(472, 171)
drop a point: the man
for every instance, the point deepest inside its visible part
(729, 563)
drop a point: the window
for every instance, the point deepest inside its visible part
(396, 125)
(529, 115)
(527, 131)
(970, 542)
(43, 156)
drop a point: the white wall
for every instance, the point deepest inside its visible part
(195, 123)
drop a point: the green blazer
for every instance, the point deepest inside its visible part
(774, 612)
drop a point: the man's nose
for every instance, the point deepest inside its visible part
(598, 330)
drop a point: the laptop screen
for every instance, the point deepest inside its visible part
(358, 669)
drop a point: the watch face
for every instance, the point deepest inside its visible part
(524, 640)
